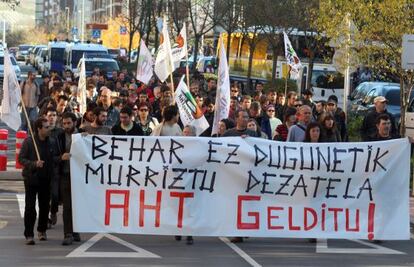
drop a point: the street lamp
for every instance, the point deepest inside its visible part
(67, 12)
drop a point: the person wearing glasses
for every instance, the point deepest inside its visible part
(144, 119)
(270, 122)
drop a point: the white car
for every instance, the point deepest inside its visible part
(40, 58)
(15, 66)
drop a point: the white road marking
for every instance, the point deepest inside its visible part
(239, 251)
(3, 224)
(322, 247)
(81, 251)
(20, 201)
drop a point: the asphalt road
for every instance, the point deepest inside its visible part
(146, 250)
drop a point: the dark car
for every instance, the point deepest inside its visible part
(357, 97)
(391, 91)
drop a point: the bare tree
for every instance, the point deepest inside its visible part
(136, 19)
(252, 32)
(202, 19)
(276, 17)
(12, 3)
(230, 14)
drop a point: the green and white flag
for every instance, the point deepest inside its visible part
(190, 113)
(292, 58)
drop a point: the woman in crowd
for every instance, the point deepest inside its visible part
(224, 125)
(270, 123)
(252, 125)
(313, 133)
(329, 132)
(282, 130)
(144, 119)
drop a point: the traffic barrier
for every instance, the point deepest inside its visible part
(20, 136)
(4, 136)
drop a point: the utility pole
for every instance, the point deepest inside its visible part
(83, 22)
(4, 32)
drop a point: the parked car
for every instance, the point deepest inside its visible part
(23, 52)
(40, 56)
(107, 65)
(15, 66)
(34, 52)
(41, 60)
(391, 91)
(363, 96)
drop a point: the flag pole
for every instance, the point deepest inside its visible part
(187, 69)
(30, 128)
(286, 79)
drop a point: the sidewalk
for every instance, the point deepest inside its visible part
(11, 173)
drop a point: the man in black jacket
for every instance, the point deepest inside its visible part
(369, 127)
(37, 173)
(126, 125)
(65, 141)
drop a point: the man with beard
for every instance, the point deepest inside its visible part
(54, 132)
(65, 141)
(98, 125)
(37, 172)
(127, 125)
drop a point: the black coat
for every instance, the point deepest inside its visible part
(135, 130)
(49, 153)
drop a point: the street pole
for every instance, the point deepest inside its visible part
(67, 20)
(4, 32)
(347, 69)
(83, 22)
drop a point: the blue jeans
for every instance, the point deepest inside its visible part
(32, 114)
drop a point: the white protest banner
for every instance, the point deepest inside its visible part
(240, 187)
(145, 63)
(190, 112)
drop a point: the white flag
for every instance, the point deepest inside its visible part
(145, 63)
(11, 95)
(180, 48)
(190, 113)
(222, 106)
(292, 58)
(164, 62)
(81, 96)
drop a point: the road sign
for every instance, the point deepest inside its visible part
(407, 56)
(96, 34)
(97, 26)
(122, 30)
(74, 31)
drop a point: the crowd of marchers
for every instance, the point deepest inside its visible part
(121, 105)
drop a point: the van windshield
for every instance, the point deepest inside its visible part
(106, 66)
(327, 79)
